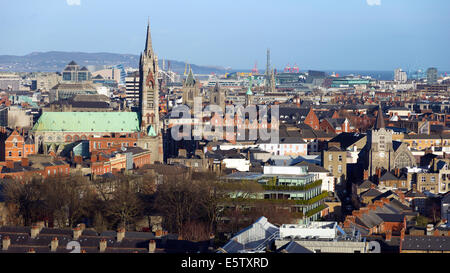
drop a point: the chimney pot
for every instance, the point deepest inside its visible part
(77, 231)
(35, 229)
(120, 234)
(152, 246)
(102, 245)
(54, 244)
(6, 242)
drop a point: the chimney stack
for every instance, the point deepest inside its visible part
(9, 164)
(120, 234)
(6, 242)
(24, 162)
(31, 250)
(54, 244)
(35, 229)
(388, 235)
(77, 231)
(102, 245)
(152, 246)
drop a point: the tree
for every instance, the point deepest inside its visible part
(25, 200)
(124, 205)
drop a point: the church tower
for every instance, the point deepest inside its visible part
(149, 88)
(217, 97)
(191, 89)
(379, 151)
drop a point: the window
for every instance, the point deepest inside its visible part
(330, 157)
(20, 153)
(340, 157)
(9, 154)
(340, 169)
(424, 179)
(331, 169)
(433, 179)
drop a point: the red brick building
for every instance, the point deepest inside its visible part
(17, 147)
(312, 120)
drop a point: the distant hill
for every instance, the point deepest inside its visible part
(55, 61)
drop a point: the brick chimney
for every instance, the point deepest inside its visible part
(436, 233)
(152, 246)
(364, 210)
(385, 200)
(54, 244)
(372, 207)
(78, 159)
(120, 234)
(357, 213)
(102, 245)
(6, 242)
(158, 233)
(10, 164)
(25, 162)
(366, 175)
(388, 235)
(31, 250)
(379, 203)
(77, 231)
(35, 229)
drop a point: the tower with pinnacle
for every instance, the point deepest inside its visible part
(149, 88)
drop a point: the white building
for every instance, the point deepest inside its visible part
(286, 146)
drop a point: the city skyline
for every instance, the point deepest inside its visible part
(366, 35)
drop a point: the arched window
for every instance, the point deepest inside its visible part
(68, 138)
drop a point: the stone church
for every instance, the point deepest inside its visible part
(191, 89)
(382, 153)
(217, 97)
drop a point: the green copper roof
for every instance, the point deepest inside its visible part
(249, 91)
(88, 122)
(151, 131)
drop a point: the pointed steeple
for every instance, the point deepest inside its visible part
(217, 87)
(379, 123)
(190, 77)
(148, 42)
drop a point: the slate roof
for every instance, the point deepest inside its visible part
(90, 240)
(426, 243)
(313, 168)
(347, 139)
(388, 176)
(293, 247)
(371, 192)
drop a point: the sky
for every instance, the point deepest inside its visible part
(314, 34)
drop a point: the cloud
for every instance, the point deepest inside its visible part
(73, 2)
(373, 2)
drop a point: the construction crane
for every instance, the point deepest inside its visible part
(255, 69)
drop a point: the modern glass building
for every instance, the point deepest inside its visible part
(432, 75)
(301, 193)
(73, 73)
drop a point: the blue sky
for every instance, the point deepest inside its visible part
(315, 34)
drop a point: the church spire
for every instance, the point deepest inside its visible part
(148, 42)
(379, 123)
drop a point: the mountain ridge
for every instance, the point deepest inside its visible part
(55, 61)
